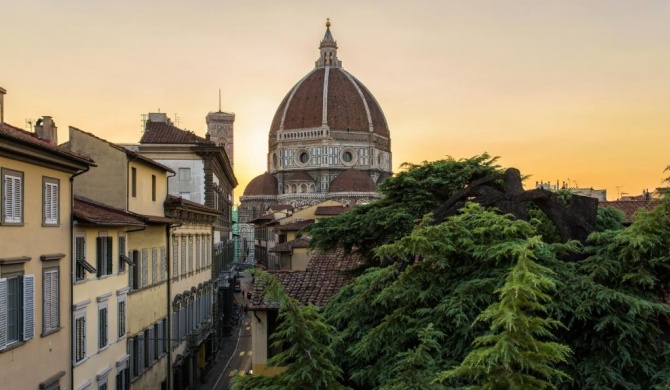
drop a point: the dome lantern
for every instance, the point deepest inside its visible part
(328, 50)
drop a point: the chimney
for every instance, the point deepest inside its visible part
(2, 104)
(46, 129)
(159, 117)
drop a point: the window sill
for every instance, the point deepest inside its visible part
(82, 281)
(80, 362)
(11, 346)
(44, 224)
(122, 272)
(19, 224)
(103, 348)
(50, 332)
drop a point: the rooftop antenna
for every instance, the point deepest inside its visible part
(618, 192)
(143, 121)
(176, 119)
(219, 99)
(29, 124)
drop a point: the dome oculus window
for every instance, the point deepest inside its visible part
(304, 157)
(346, 157)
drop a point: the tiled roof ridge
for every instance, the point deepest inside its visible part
(98, 205)
(163, 126)
(127, 151)
(43, 143)
(297, 225)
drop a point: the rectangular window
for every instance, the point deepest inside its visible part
(163, 264)
(184, 174)
(122, 318)
(51, 299)
(153, 188)
(102, 327)
(50, 199)
(12, 197)
(104, 255)
(136, 274)
(122, 253)
(175, 257)
(80, 257)
(80, 337)
(197, 253)
(148, 342)
(133, 182)
(123, 378)
(183, 255)
(154, 265)
(145, 267)
(190, 254)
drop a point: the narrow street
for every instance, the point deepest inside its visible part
(235, 357)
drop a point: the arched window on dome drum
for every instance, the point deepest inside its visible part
(293, 189)
(311, 188)
(303, 188)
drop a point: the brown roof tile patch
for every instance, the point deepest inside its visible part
(264, 184)
(281, 207)
(295, 226)
(352, 180)
(302, 242)
(629, 207)
(177, 201)
(316, 285)
(166, 133)
(88, 211)
(331, 210)
(300, 176)
(9, 131)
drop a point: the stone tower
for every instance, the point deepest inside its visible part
(220, 130)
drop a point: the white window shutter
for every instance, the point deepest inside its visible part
(28, 307)
(54, 202)
(3, 313)
(18, 199)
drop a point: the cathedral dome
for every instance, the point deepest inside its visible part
(329, 98)
(353, 180)
(265, 184)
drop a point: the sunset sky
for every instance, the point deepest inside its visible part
(562, 90)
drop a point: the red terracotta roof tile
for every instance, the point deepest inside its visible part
(331, 210)
(302, 242)
(629, 207)
(88, 211)
(295, 226)
(322, 279)
(166, 133)
(264, 184)
(9, 131)
(352, 180)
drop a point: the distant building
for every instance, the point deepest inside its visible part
(601, 195)
(329, 140)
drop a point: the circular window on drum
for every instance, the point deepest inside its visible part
(348, 157)
(302, 158)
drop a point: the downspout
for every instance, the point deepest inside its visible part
(168, 249)
(72, 271)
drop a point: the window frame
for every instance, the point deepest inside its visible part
(49, 324)
(79, 314)
(4, 172)
(104, 252)
(103, 327)
(153, 188)
(46, 221)
(133, 182)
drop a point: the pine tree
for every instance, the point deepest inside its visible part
(309, 358)
(516, 354)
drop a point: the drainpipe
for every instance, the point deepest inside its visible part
(72, 271)
(168, 250)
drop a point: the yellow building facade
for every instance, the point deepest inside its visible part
(35, 259)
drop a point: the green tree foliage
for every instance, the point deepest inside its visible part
(515, 354)
(415, 191)
(612, 303)
(308, 358)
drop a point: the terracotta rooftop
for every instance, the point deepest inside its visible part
(265, 184)
(166, 133)
(331, 210)
(629, 207)
(316, 285)
(128, 152)
(300, 176)
(302, 242)
(177, 201)
(282, 207)
(88, 211)
(353, 180)
(295, 226)
(9, 131)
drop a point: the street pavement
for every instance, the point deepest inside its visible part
(234, 357)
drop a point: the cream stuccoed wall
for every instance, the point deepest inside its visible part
(142, 202)
(50, 354)
(147, 304)
(259, 346)
(93, 292)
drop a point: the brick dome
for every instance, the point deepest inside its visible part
(353, 180)
(265, 184)
(347, 105)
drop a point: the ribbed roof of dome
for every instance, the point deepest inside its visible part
(353, 180)
(264, 184)
(348, 104)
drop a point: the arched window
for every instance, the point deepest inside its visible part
(303, 188)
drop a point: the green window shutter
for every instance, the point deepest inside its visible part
(110, 259)
(100, 254)
(3, 314)
(28, 307)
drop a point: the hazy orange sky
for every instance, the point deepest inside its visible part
(563, 90)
